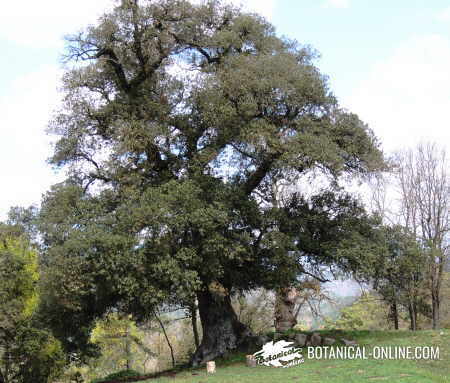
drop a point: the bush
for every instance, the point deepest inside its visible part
(366, 313)
(118, 375)
(38, 354)
(28, 352)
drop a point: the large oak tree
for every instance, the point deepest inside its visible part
(177, 119)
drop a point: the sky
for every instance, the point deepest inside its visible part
(387, 61)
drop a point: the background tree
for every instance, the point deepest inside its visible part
(122, 344)
(312, 296)
(446, 303)
(255, 309)
(424, 185)
(291, 303)
(365, 313)
(166, 168)
(398, 274)
(28, 353)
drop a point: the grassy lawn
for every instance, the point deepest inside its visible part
(334, 371)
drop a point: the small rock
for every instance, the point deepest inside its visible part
(277, 336)
(316, 339)
(251, 361)
(300, 340)
(329, 341)
(262, 340)
(349, 342)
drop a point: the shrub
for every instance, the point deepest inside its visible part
(118, 376)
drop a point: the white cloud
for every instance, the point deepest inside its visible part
(43, 23)
(24, 146)
(263, 7)
(444, 15)
(406, 97)
(337, 4)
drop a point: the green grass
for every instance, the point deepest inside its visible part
(234, 370)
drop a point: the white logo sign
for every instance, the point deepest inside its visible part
(279, 354)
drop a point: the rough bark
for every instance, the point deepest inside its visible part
(284, 309)
(394, 314)
(193, 310)
(412, 316)
(222, 331)
(435, 307)
(127, 349)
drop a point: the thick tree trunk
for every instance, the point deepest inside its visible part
(284, 309)
(193, 310)
(222, 331)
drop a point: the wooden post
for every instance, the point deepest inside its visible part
(251, 361)
(211, 367)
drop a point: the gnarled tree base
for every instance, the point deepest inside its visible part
(222, 331)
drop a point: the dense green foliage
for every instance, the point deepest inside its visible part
(28, 353)
(122, 344)
(39, 356)
(398, 272)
